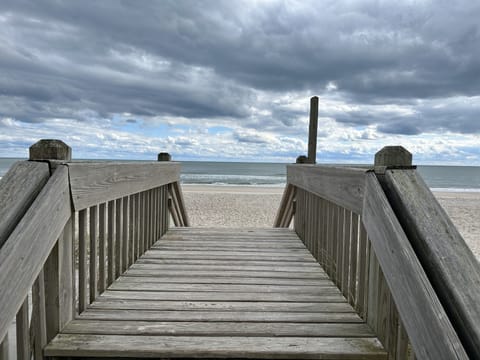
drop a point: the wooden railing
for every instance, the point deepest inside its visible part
(66, 245)
(384, 258)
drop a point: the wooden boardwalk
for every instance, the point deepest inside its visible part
(221, 293)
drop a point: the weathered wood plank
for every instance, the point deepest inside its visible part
(225, 347)
(220, 316)
(342, 186)
(23, 333)
(18, 189)
(139, 270)
(82, 260)
(4, 349)
(222, 296)
(93, 221)
(107, 327)
(425, 320)
(448, 261)
(94, 183)
(111, 242)
(39, 321)
(151, 264)
(122, 304)
(29, 245)
(133, 277)
(286, 289)
(102, 258)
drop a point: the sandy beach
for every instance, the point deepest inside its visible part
(237, 206)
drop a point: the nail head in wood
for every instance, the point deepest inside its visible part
(393, 156)
(163, 156)
(50, 149)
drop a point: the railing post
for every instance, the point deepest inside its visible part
(58, 269)
(48, 149)
(393, 156)
(312, 130)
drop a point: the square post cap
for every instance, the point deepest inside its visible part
(163, 156)
(50, 149)
(393, 156)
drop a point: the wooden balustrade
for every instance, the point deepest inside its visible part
(346, 221)
(110, 212)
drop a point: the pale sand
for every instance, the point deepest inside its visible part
(249, 206)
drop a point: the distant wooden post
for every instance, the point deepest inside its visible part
(163, 156)
(48, 149)
(396, 156)
(312, 130)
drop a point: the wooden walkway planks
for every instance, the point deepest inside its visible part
(221, 293)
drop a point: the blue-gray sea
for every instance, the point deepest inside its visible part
(446, 178)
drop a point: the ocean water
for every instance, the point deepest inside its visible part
(446, 178)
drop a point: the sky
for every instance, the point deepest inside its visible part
(231, 80)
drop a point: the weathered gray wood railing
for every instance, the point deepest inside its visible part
(394, 254)
(111, 212)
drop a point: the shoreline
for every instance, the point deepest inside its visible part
(256, 206)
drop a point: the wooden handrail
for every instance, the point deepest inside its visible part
(18, 189)
(96, 182)
(29, 245)
(430, 331)
(343, 186)
(448, 261)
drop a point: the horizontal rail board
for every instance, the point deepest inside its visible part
(94, 183)
(18, 189)
(424, 318)
(342, 186)
(27, 248)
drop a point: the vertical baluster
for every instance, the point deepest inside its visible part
(141, 235)
(155, 215)
(82, 260)
(323, 231)
(93, 254)
(352, 296)
(4, 348)
(145, 221)
(150, 218)
(126, 233)
(118, 236)
(362, 272)
(346, 252)
(373, 290)
(23, 332)
(336, 215)
(160, 214)
(131, 230)
(111, 241)
(137, 225)
(341, 228)
(102, 227)
(39, 322)
(66, 275)
(165, 210)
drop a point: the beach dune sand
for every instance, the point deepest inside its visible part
(249, 206)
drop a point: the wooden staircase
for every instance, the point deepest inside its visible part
(221, 293)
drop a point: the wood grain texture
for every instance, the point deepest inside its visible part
(94, 183)
(18, 189)
(185, 328)
(425, 320)
(448, 261)
(223, 347)
(27, 248)
(342, 186)
(229, 294)
(23, 333)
